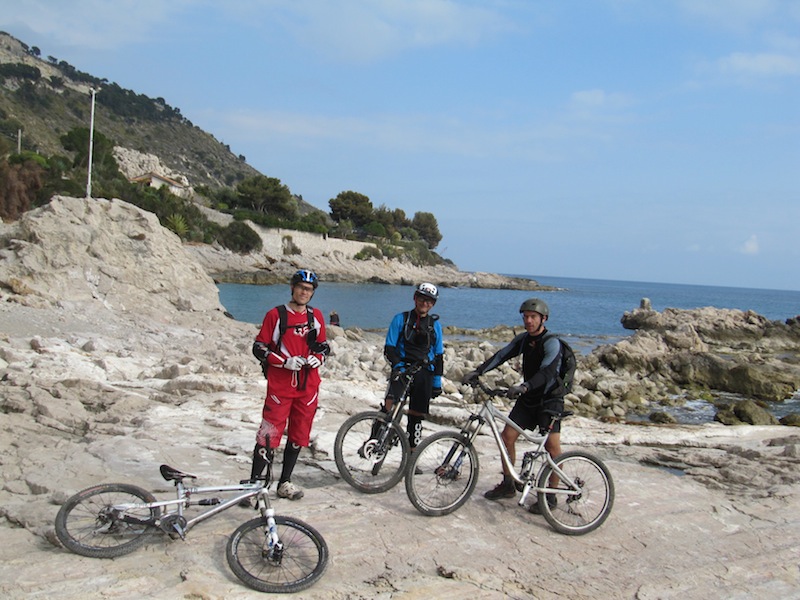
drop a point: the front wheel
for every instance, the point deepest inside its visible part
(582, 512)
(106, 521)
(442, 474)
(294, 564)
(371, 452)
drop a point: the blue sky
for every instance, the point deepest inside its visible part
(644, 140)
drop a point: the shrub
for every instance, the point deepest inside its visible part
(240, 237)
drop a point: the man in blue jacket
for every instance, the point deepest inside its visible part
(415, 336)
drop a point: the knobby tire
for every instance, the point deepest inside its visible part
(304, 559)
(361, 462)
(442, 473)
(577, 515)
(86, 526)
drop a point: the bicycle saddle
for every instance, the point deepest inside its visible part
(173, 474)
(557, 414)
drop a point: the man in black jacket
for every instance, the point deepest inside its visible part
(540, 390)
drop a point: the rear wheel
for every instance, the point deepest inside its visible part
(586, 511)
(371, 452)
(442, 473)
(104, 521)
(300, 559)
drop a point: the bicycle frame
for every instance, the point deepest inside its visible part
(489, 415)
(395, 413)
(184, 500)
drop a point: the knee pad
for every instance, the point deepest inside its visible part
(414, 430)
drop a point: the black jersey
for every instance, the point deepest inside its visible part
(541, 362)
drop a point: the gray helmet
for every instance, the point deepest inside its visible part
(535, 305)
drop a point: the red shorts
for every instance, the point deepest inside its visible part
(299, 411)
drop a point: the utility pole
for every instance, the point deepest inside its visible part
(91, 146)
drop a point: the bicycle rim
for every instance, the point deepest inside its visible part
(366, 463)
(86, 525)
(585, 512)
(301, 563)
(442, 474)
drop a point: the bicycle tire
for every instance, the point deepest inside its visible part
(442, 473)
(84, 525)
(361, 463)
(303, 561)
(577, 515)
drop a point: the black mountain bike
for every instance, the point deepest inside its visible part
(371, 449)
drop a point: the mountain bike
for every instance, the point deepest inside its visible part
(271, 553)
(444, 470)
(371, 449)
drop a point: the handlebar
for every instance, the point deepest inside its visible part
(491, 391)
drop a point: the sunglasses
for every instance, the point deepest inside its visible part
(424, 299)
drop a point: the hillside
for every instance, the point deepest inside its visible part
(47, 106)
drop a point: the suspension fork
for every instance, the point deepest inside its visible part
(469, 431)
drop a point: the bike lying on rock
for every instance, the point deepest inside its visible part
(271, 553)
(444, 470)
(371, 449)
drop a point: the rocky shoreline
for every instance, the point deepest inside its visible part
(333, 260)
(115, 356)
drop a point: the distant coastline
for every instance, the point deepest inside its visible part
(284, 251)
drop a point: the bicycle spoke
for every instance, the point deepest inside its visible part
(587, 509)
(370, 457)
(442, 475)
(297, 562)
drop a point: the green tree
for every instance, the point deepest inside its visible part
(76, 140)
(425, 224)
(351, 206)
(267, 195)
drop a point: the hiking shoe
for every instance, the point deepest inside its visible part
(551, 502)
(289, 491)
(504, 489)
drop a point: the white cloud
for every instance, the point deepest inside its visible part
(750, 246)
(761, 64)
(93, 24)
(367, 31)
(736, 14)
(596, 98)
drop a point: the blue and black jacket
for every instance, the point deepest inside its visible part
(411, 339)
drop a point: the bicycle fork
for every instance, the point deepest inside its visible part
(272, 549)
(451, 465)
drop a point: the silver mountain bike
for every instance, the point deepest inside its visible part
(271, 553)
(444, 469)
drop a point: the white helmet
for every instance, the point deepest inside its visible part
(428, 290)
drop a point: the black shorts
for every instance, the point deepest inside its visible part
(530, 414)
(419, 394)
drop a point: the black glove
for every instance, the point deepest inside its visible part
(436, 392)
(515, 391)
(471, 378)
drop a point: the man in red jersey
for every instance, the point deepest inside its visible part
(291, 347)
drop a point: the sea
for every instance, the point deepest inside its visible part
(586, 312)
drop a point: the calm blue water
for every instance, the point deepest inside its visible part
(589, 308)
(587, 312)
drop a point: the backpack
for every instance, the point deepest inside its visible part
(282, 327)
(569, 363)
